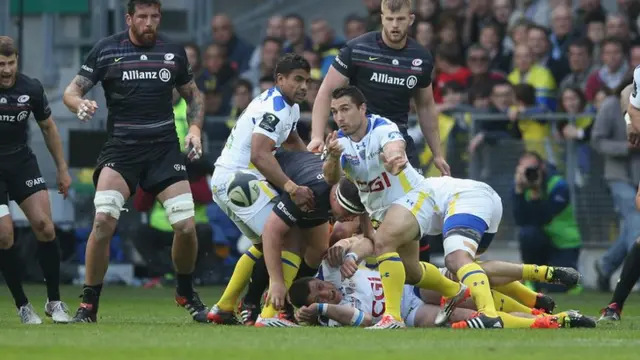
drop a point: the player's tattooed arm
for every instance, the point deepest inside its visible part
(195, 103)
(75, 92)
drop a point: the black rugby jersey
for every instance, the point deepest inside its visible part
(304, 169)
(24, 98)
(387, 77)
(138, 85)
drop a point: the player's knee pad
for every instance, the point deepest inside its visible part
(179, 208)
(464, 239)
(109, 202)
(4, 211)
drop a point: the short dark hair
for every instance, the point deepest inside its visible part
(349, 197)
(195, 47)
(480, 90)
(290, 62)
(534, 155)
(266, 78)
(7, 46)
(450, 54)
(351, 91)
(452, 87)
(272, 39)
(583, 43)
(353, 17)
(543, 29)
(612, 40)
(296, 17)
(396, 5)
(579, 93)
(244, 83)
(502, 82)
(525, 93)
(299, 292)
(131, 5)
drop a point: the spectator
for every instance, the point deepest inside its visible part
(562, 34)
(580, 65)
(425, 34)
(194, 57)
(314, 60)
(238, 51)
(354, 26)
(304, 126)
(428, 10)
(500, 59)
(374, 19)
(242, 96)
(596, 33)
(457, 8)
(502, 11)
(634, 56)
(613, 70)
(525, 71)
(535, 133)
(543, 210)
(296, 40)
(325, 43)
(266, 83)
(483, 96)
(617, 26)
(448, 33)
(518, 33)
(573, 102)
(271, 51)
(218, 75)
(537, 11)
(631, 9)
(478, 14)
(449, 68)
(587, 9)
(478, 64)
(622, 173)
(538, 41)
(275, 30)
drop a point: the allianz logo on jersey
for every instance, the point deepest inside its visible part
(411, 81)
(23, 115)
(164, 75)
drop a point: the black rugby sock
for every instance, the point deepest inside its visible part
(10, 266)
(185, 285)
(306, 270)
(91, 295)
(628, 278)
(259, 283)
(49, 259)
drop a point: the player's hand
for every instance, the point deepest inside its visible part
(193, 143)
(333, 147)
(63, 179)
(394, 164)
(315, 145)
(441, 164)
(335, 254)
(349, 267)
(277, 295)
(86, 110)
(302, 196)
(633, 137)
(307, 314)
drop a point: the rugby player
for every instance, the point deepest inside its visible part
(630, 102)
(375, 161)
(139, 70)
(269, 122)
(348, 295)
(390, 69)
(22, 182)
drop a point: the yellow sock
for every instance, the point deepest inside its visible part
(393, 276)
(290, 265)
(519, 292)
(474, 277)
(560, 315)
(534, 272)
(432, 279)
(239, 279)
(515, 322)
(507, 304)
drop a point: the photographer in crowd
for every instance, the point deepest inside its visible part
(549, 233)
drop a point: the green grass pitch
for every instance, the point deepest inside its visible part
(138, 324)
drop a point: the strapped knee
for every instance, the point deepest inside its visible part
(464, 239)
(179, 208)
(109, 202)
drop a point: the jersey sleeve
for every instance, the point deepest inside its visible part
(425, 79)
(287, 210)
(269, 125)
(91, 68)
(634, 98)
(40, 103)
(342, 61)
(387, 132)
(184, 73)
(330, 274)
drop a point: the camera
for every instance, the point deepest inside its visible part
(532, 173)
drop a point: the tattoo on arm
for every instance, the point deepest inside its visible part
(83, 84)
(195, 103)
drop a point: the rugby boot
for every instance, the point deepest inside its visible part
(545, 303)
(57, 311)
(248, 313)
(479, 321)
(610, 313)
(566, 276)
(86, 313)
(194, 306)
(574, 319)
(222, 317)
(388, 322)
(448, 305)
(28, 315)
(274, 322)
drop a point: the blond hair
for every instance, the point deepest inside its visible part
(396, 5)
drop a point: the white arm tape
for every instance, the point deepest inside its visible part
(109, 202)
(4, 211)
(323, 309)
(179, 208)
(357, 318)
(627, 118)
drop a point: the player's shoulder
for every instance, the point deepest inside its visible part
(370, 38)
(417, 51)
(165, 43)
(28, 84)
(111, 41)
(272, 101)
(381, 125)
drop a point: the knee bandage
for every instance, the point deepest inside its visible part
(179, 208)
(109, 202)
(458, 241)
(4, 211)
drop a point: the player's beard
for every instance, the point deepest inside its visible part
(145, 37)
(395, 37)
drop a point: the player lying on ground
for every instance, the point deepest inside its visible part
(22, 182)
(344, 294)
(139, 70)
(375, 160)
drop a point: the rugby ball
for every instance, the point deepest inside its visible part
(243, 189)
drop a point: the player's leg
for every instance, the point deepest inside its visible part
(509, 272)
(10, 263)
(112, 191)
(628, 278)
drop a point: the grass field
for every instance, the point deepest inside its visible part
(146, 324)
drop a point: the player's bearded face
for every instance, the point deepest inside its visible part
(144, 23)
(8, 70)
(396, 24)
